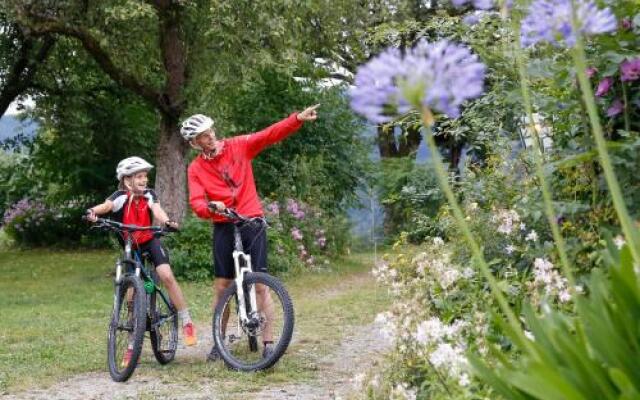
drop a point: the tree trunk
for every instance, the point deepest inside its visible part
(171, 177)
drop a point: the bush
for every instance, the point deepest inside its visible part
(300, 237)
(32, 223)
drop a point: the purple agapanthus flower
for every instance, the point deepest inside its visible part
(630, 70)
(550, 21)
(479, 4)
(440, 76)
(616, 108)
(471, 19)
(604, 86)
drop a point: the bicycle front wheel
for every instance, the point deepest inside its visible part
(241, 343)
(164, 328)
(126, 329)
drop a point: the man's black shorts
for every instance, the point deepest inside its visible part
(254, 242)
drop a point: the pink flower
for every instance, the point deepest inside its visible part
(591, 71)
(630, 70)
(604, 86)
(296, 234)
(273, 208)
(626, 24)
(615, 109)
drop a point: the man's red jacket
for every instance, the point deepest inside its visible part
(228, 177)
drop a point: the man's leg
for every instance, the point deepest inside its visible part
(219, 286)
(265, 305)
(223, 272)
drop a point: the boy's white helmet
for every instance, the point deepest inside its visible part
(130, 166)
(195, 125)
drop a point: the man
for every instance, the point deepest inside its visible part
(222, 175)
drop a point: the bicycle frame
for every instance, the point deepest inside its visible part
(242, 265)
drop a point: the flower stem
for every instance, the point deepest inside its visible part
(539, 161)
(627, 123)
(579, 57)
(441, 174)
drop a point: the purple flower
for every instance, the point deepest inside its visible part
(615, 109)
(471, 19)
(626, 23)
(296, 234)
(321, 242)
(591, 72)
(630, 70)
(273, 208)
(550, 21)
(438, 75)
(604, 86)
(479, 4)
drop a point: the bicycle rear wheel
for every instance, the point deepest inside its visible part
(272, 321)
(164, 328)
(126, 329)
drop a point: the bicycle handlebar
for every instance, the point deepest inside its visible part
(119, 226)
(231, 214)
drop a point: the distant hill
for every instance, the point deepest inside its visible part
(11, 126)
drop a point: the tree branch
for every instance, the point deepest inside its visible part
(21, 75)
(100, 55)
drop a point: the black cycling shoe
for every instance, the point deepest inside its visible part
(214, 354)
(267, 351)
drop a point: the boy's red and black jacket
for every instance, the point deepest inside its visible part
(134, 210)
(228, 177)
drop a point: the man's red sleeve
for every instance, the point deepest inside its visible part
(197, 196)
(256, 142)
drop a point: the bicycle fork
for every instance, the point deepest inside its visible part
(240, 258)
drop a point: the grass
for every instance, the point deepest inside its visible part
(56, 307)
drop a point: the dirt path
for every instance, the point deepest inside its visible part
(333, 368)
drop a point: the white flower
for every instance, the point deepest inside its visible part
(619, 241)
(523, 226)
(468, 273)
(564, 296)
(437, 241)
(510, 249)
(430, 331)
(448, 357)
(448, 278)
(464, 380)
(402, 392)
(473, 206)
(532, 236)
(506, 219)
(529, 336)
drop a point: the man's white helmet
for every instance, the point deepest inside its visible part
(195, 125)
(130, 166)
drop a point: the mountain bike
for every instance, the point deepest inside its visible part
(139, 305)
(242, 316)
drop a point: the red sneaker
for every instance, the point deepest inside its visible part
(127, 358)
(189, 332)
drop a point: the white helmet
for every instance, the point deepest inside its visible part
(130, 166)
(195, 125)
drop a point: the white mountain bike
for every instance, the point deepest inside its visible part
(242, 316)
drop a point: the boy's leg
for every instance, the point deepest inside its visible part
(160, 259)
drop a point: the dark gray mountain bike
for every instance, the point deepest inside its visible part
(139, 305)
(243, 320)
